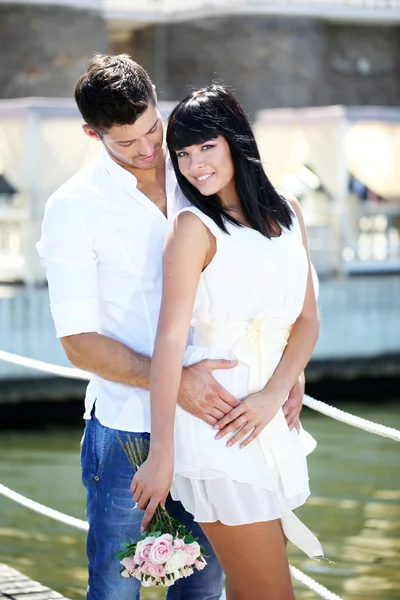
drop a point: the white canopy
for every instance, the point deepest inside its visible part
(41, 145)
(334, 141)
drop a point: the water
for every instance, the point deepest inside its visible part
(354, 509)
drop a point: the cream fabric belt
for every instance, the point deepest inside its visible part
(258, 343)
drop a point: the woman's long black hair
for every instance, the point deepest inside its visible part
(204, 115)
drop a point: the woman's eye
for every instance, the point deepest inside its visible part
(181, 154)
(206, 146)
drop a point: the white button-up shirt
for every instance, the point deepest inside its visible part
(102, 243)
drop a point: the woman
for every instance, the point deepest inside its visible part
(236, 268)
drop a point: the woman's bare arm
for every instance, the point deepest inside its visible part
(185, 255)
(303, 334)
(186, 252)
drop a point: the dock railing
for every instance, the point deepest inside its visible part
(326, 409)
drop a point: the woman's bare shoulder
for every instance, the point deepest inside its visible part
(294, 203)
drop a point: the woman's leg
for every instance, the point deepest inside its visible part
(229, 590)
(254, 559)
(202, 585)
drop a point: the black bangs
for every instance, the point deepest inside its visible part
(203, 116)
(190, 126)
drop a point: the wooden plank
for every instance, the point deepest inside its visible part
(16, 586)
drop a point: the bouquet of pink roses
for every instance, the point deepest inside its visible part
(164, 552)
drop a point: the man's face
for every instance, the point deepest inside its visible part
(136, 146)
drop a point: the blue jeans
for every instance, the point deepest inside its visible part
(106, 476)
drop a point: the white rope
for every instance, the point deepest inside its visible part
(43, 510)
(326, 409)
(32, 363)
(312, 585)
(317, 405)
(83, 525)
(344, 417)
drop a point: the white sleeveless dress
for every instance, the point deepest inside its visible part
(247, 299)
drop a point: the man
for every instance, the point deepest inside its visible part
(102, 242)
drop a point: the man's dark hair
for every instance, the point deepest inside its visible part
(204, 115)
(114, 90)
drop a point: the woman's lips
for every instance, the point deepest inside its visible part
(203, 179)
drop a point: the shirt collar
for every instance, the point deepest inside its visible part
(126, 180)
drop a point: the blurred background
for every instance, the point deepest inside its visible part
(320, 81)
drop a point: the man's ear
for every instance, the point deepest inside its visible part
(90, 132)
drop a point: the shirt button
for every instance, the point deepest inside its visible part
(96, 478)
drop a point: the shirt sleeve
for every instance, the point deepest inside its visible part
(67, 249)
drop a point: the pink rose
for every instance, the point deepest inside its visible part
(166, 536)
(130, 566)
(144, 568)
(193, 552)
(161, 551)
(143, 549)
(138, 559)
(200, 564)
(178, 544)
(144, 575)
(156, 570)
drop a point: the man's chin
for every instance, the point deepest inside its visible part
(144, 164)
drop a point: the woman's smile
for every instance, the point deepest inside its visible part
(208, 166)
(203, 179)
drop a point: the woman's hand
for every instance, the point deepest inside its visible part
(250, 417)
(151, 484)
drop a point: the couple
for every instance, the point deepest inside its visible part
(202, 233)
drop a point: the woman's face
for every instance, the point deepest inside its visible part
(209, 168)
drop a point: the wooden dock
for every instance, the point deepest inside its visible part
(15, 586)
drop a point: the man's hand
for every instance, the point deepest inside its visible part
(201, 395)
(293, 405)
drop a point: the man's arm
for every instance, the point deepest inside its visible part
(67, 248)
(200, 394)
(107, 358)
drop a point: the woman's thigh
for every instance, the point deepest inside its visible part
(254, 559)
